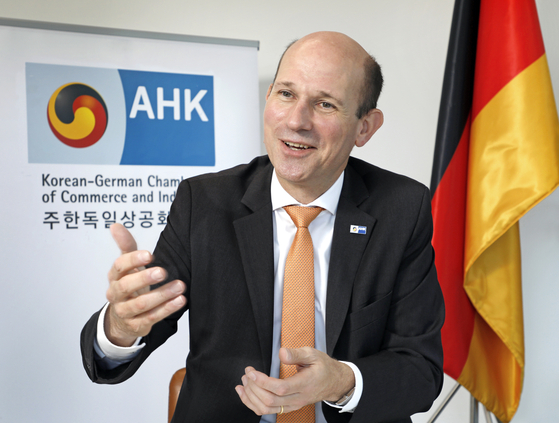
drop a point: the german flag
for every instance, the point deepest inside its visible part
(496, 156)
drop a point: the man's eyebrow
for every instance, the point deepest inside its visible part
(323, 94)
(285, 84)
(327, 95)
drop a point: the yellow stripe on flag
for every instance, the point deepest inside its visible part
(513, 164)
(493, 372)
(514, 157)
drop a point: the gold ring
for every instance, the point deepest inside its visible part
(281, 410)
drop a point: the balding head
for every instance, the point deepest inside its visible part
(341, 47)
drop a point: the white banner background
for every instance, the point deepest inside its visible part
(54, 279)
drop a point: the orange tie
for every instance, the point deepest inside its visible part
(297, 318)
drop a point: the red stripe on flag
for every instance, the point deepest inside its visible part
(509, 40)
(449, 216)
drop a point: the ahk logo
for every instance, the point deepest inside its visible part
(156, 118)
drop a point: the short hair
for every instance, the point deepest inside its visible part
(372, 86)
(372, 83)
(281, 59)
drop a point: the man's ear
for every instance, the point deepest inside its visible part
(370, 124)
(269, 91)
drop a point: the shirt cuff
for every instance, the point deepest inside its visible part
(356, 396)
(111, 351)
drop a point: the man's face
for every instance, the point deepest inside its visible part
(310, 122)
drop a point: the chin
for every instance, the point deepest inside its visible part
(293, 177)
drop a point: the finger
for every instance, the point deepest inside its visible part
(267, 393)
(298, 356)
(278, 387)
(124, 331)
(149, 301)
(123, 238)
(251, 399)
(129, 262)
(134, 284)
(318, 376)
(272, 391)
(242, 393)
(141, 324)
(258, 400)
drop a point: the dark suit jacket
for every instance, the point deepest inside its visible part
(384, 306)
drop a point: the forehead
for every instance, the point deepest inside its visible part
(322, 67)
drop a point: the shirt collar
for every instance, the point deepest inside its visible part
(328, 201)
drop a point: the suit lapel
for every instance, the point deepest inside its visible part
(255, 237)
(347, 252)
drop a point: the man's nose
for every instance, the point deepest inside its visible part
(300, 117)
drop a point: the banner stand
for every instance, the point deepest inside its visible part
(101, 125)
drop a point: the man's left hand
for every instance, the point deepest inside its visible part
(319, 377)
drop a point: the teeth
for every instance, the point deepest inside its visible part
(295, 146)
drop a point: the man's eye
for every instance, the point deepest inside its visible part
(326, 105)
(285, 93)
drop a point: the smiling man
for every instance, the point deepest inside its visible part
(312, 118)
(374, 353)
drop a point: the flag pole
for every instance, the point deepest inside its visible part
(444, 403)
(474, 408)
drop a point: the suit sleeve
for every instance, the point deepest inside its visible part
(172, 253)
(405, 375)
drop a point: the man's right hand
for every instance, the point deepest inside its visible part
(133, 307)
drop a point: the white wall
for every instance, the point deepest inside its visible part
(409, 38)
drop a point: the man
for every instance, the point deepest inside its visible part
(378, 305)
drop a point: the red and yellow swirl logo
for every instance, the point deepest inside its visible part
(77, 115)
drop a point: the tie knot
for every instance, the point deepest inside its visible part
(302, 216)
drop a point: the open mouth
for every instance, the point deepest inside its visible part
(295, 146)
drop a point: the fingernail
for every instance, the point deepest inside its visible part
(178, 301)
(178, 288)
(144, 256)
(157, 274)
(252, 376)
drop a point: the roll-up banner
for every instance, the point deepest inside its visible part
(100, 126)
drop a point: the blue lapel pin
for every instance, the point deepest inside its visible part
(356, 229)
